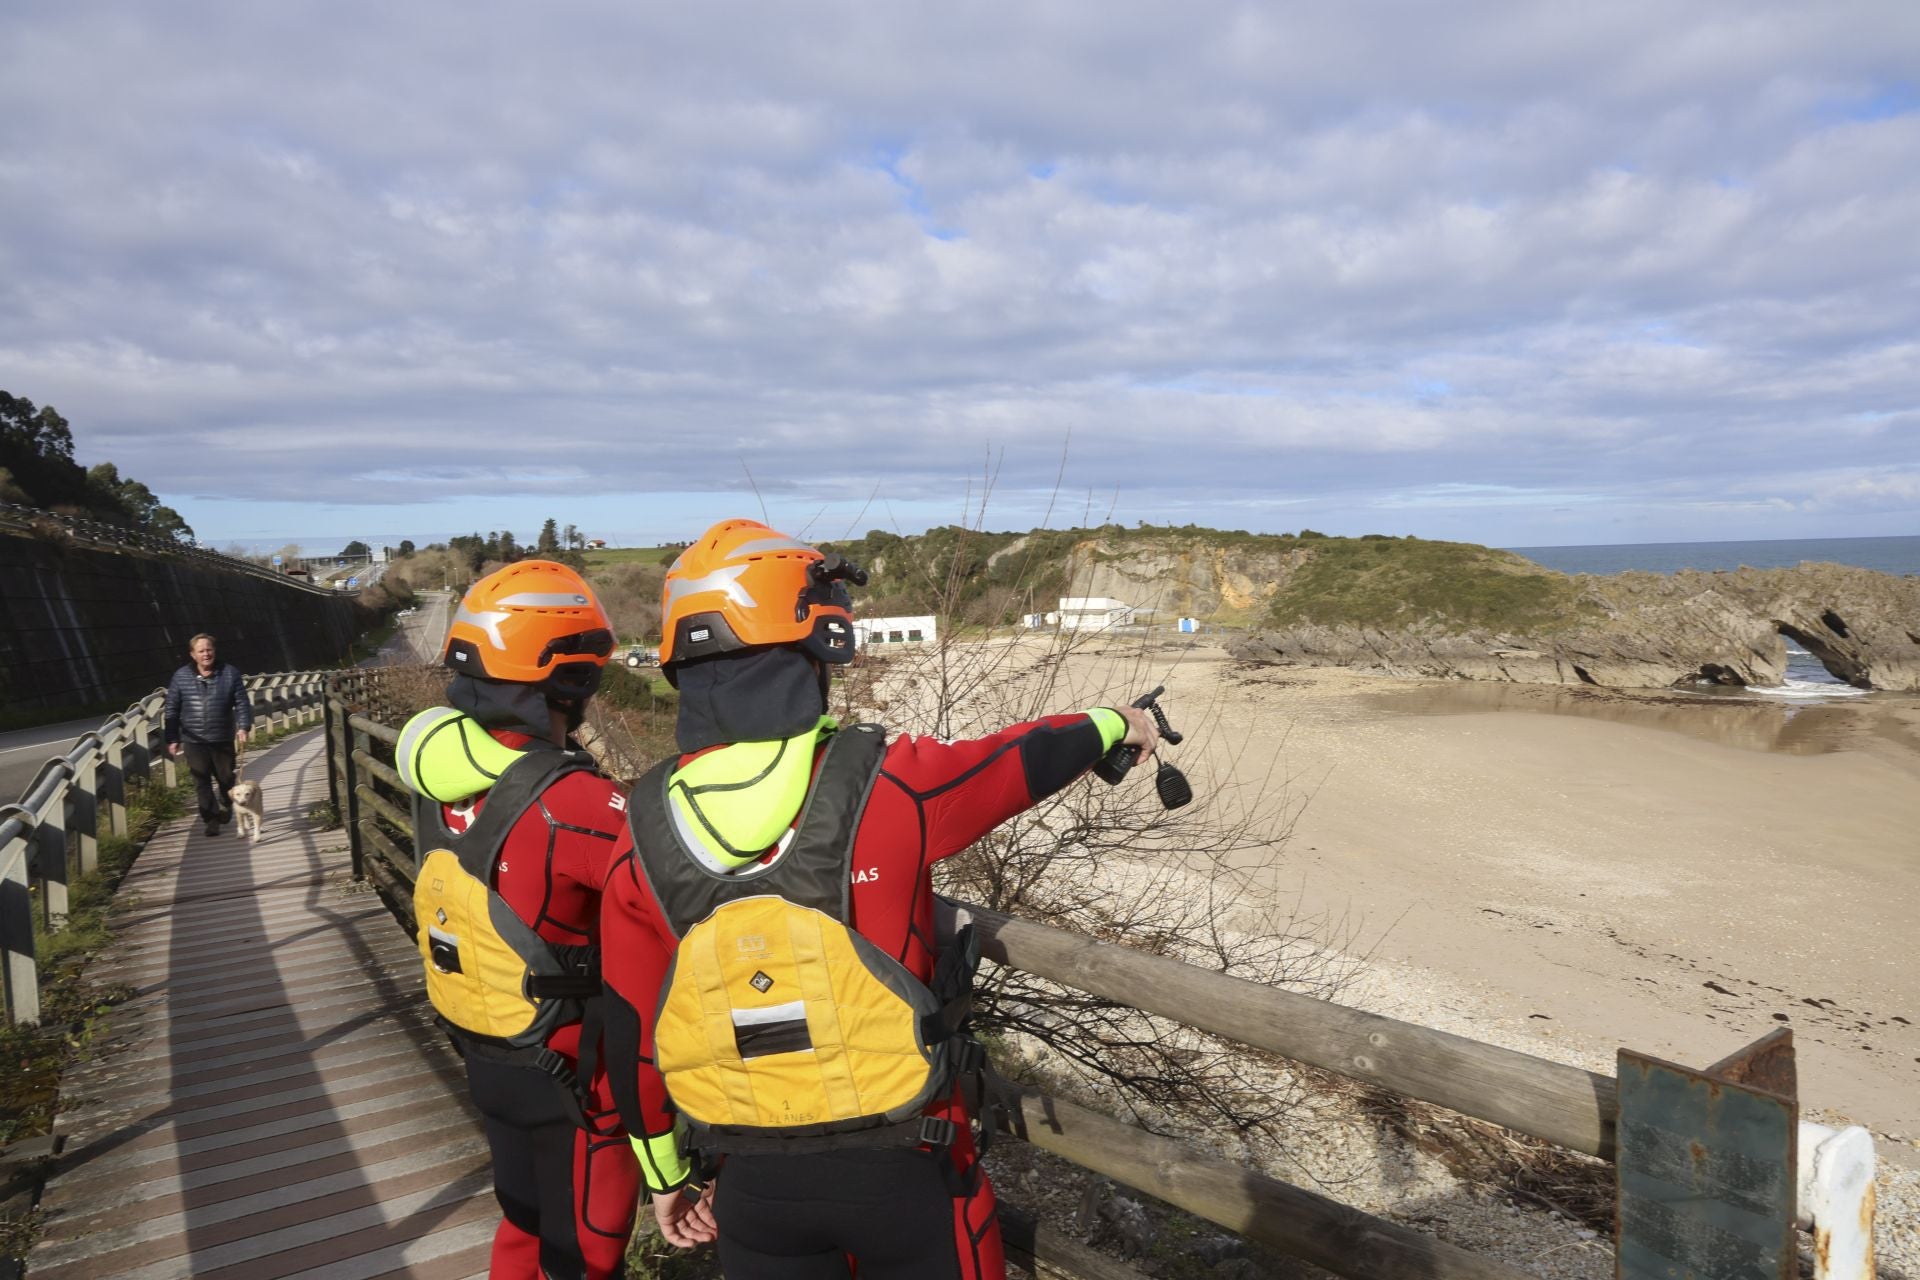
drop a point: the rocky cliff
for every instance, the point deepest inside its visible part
(1643, 630)
(1185, 577)
(1415, 607)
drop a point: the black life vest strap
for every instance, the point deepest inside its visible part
(952, 985)
(933, 1132)
(580, 982)
(815, 870)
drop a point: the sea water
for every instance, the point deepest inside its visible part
(1883, 555)
(1805, 680)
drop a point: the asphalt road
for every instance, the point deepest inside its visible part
(22, 751)
(417, 638)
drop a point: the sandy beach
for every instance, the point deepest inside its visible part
(1588, 870)
(1572, 871)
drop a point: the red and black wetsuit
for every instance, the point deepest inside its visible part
(804, 1215)
(567, 1194)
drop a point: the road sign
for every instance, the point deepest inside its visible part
(276, 559)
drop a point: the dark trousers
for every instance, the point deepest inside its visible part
(567, 1196)
(210, 761)
(799, 1217)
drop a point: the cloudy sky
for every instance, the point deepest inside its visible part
(1519, 273)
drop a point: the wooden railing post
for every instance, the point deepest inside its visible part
(86, 808)
(329, 715)
(136, 760)
(154, 729)
(22, 971)
(50, 856)
(350, 802)
(113, 777)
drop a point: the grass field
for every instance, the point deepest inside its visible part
(604, 556)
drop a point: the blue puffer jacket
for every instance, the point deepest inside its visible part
(207, 709)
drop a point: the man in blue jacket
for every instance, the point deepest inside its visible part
(208, 716)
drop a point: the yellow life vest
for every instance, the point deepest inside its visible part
(489, 973)
(780, 1028)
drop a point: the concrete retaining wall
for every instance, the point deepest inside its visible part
(82, 625)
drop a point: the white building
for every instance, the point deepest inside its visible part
(1094, 613)
(885, 632)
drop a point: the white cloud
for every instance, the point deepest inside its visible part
(1252, 254)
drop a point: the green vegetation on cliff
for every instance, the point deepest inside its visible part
(1389, 583)
(1276, 579)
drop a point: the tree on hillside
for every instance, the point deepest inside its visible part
(36, 457)
(472, 548)
(356, 548)
(509, 550)
(549, 539)
(36, 448)
(123, 501)
(572, 537)
(406, 548)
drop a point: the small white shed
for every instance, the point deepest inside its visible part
(1093, 613)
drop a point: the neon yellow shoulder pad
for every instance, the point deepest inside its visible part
(446, 755)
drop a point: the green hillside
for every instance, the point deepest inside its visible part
(1308, 577)
(1387, 583)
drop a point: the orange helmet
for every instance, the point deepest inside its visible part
(534, 622)
(744, 586)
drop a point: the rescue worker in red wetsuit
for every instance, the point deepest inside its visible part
(516, 835)
(726, 1043)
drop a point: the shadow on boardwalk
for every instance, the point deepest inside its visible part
(273, 1100)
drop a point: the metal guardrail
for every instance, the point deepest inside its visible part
(51, 833)
(30, 520)
(1563, 1105)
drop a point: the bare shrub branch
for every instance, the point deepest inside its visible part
(1196, 884)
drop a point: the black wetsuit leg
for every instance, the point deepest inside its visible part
(531, 1134)
(801, 1217)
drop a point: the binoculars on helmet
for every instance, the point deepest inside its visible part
(827, 580)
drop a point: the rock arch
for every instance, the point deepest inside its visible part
(1824, 642)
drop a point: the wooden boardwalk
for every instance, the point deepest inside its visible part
(273, 1100)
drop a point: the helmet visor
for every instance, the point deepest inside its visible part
(596, 643)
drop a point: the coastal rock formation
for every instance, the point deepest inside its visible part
(1645, 630)
(1184, 577)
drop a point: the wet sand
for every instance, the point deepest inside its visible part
(1573, 870)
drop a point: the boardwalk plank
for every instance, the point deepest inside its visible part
(273, 1100)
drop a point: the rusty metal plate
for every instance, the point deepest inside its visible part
(1706, 1168)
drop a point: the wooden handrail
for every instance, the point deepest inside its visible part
(1344, 1240)
(1561, 1104)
